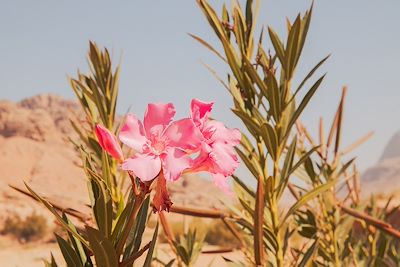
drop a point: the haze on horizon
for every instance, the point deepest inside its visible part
(44, 41)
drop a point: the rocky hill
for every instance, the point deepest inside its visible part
(33, 148)
(384, 176)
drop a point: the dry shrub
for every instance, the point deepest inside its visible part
(215, 231)
(219, 235)
(178, 228)
(33, 227)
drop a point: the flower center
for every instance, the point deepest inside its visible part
(158, 147)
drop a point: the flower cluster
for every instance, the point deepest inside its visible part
(165, 149)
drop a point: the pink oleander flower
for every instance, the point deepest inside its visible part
(108, 141)
(217, 154)
(160, 145)
(164, 149)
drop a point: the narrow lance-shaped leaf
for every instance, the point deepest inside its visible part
(135, 238)
(52, 262)
(58, 217)
(309, 254)
(208, 46)
(270, 139)
(287, 166)
(70, 255)
(304, 102)
(149, 257)
(308, 76)
(103, 250)
(291, 48)
(278, 46)
(76, 243)
(309, 196)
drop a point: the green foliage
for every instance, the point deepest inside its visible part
(31, 228)
(315, 229)
(52, 262)
(97, 93)
(372, 247)
(188, 247)
(115, 234)
(261, 88)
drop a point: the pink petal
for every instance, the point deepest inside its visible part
(157, 117)
(203, 161)
(199, 111)
(144, 166)
(224, 159)
(221, 181)
(174, 162)
(183, 134)
(216, 131)
(109, 142)
(132, 133)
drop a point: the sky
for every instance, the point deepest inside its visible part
(43, 42)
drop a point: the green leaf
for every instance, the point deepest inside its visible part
(305, 24)
(243, 185)
(208, 46)
(52, 262)
(303, 158)
(251, 124)
(274, 97)
(255, 77)
(102, 206)
(58, 217)
(270, 139)
(291, 48)
(149, 257)
(76, 243)
(135, 237)
(103, 250)
(239, 28)
(71, 257)
(122, 219)
(309, 75)
(309, 196)
(304, 102)
(251, 163)
(278, 46)
(308, 255)
(287, 165)
(309, 167)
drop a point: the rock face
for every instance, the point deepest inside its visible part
(40, 118)
(34, 149)
(384, 177)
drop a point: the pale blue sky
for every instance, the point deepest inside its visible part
(44, 41)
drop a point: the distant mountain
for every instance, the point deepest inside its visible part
(384, 176)
(392, 149)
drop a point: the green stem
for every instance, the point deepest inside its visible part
(275, 215)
